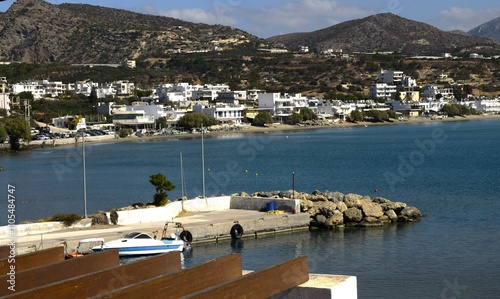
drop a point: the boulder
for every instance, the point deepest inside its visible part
(352, 200)
(392, 215)
(315, 198)
(335, 196)
(341, 206)
(306, 205)
(326, 208)
(396, 206)
(371, 221)
(366, 199)
(371, 209)
(353, 215)
(244, 194)
(320, 219)
(336, 219)
(381, 200)
(409, 214)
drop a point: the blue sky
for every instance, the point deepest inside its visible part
(266, 18)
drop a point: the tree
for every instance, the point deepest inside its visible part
(295, 118)
(307, 114)
(161, 122)
(161, 185)
(262, 118)
(3, 133)
(356, 115)
(17, 128)
(194, 120)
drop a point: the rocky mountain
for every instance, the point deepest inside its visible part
(386, 32)
(489, 29)
(37, 31)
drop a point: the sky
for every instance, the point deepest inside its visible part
(268, 18)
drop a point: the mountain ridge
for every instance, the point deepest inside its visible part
(385, 32)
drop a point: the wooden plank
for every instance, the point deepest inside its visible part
(260, 284)
(33, 259)
(184, 282)
(96, 283)
(39, 276)
(4, 251)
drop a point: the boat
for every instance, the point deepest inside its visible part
(140, 243)
(83, 248)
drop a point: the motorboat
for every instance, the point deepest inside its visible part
(140, 243)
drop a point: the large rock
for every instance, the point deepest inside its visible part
(336, 219)
(320, 219)
(371, 221)
(366, 198)
(396, 206)
(326, 208)
(392, 215)
(306, 205)
(352, 200)
(409, 214)
(353, 215)
(381, 200)
(371, 209)
(341, 206)
(318, 197)
(335, 196)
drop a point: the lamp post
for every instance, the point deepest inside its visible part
(202, 163)
(84, 178)
(293, 184)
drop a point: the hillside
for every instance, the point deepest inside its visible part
(489, 29)
(386, 32)
(36, 31)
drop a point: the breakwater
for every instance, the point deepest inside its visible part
(334, 209)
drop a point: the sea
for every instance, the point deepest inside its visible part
(449, 170)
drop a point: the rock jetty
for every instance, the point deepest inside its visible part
(334, 209)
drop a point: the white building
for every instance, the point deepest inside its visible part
(491, 106)
(226, 114)
(382, 91)
(431, 92)
(390, 77)
(281, 105)
(71, 122)
(4, 97)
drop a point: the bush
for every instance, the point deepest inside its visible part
(100, 219)
(160, 199)
(125, 132)
(67, 219)
(113, 217)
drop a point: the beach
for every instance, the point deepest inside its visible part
(247, 129)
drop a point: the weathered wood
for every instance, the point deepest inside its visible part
(96, 283)
(185, 282)
(40, 276)
(33, 259)
(4, 251)
(260, 284)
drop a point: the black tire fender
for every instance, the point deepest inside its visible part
(186, 236)
(236, 231)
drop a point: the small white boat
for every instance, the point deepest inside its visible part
(138, 243)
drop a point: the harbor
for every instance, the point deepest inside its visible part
(40, 250)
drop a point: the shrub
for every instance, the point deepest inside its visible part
(67, 219)
(113, 217)
(125, 132)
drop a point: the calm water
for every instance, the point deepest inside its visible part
(448, 170)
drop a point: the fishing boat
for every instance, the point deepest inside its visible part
(140, 243)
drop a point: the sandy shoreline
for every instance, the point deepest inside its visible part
(275, 128)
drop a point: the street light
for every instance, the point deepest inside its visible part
(293, 184)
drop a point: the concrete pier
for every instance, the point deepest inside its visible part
(207, 220)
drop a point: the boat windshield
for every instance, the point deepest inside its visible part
(137, 235)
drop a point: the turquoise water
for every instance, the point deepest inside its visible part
(448, 170)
